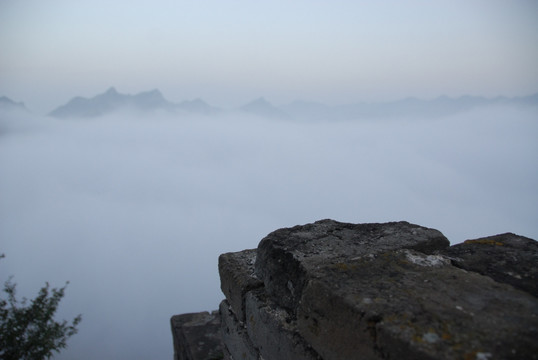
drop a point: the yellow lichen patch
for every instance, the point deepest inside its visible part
(417, 339)
(469, 356)
(342, 266)
(345, 266)
(484, 242)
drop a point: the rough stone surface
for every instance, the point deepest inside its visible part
(506, 258)
(237, 278)
(234, 335)
(331, 290)
(273, 330)
(395, 305)
(287, 258)
(197, 336)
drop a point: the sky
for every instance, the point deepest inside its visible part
(229, 52)
(134, 210)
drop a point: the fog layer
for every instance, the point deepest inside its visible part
(134, 210)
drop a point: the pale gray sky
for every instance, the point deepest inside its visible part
(228, 52)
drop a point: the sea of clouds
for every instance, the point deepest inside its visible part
(134, 209)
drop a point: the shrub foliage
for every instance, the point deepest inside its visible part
(28, 329)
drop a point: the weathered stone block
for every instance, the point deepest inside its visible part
(234, 335)
(408, 305)
(334, 290)
(273, 331)
(237, 278)
(506, 258)
(196, 336)
(288, 258)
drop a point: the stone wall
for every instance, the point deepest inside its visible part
(332, 290)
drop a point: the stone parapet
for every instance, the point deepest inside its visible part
(197, 336)
(332, 290)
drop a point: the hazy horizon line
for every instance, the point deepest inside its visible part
(280, 104)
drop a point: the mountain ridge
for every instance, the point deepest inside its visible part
(6, 104)
(111, 100)
(153, 100)
(407, 107)
(264, 108)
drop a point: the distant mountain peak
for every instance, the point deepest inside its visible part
(154, 93)
(261, 102)
(10, 105)
(110, 95)
(111, 100)
(197, 106)
(262, 107)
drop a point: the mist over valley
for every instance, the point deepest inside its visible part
(134, 206)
